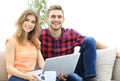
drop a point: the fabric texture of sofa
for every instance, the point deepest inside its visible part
(115, 71)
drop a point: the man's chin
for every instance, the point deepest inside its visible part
(56, 28)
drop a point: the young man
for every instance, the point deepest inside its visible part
(58, 41)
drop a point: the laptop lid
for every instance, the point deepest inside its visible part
(62, 64)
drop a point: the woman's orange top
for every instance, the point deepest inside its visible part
(25, 57)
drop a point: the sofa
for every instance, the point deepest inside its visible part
(114, 67)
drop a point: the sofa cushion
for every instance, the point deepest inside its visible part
(105, 63)
(3, 72)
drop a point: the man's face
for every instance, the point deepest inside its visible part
(55, 19)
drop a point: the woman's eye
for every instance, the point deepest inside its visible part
(26, 20)
(33, 22)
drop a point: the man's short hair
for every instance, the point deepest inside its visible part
(55, 7)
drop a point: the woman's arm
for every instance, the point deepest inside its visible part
(40, 58)
(41, 61)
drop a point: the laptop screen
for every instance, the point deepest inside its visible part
(62, 64)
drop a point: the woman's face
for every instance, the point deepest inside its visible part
(29, 23)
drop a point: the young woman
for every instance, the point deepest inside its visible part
(23, 48)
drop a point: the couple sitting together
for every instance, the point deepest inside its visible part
(24, 49)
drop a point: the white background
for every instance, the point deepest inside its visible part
(97, 18)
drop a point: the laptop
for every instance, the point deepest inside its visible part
(62, 64)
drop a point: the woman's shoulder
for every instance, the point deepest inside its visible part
(12, 40)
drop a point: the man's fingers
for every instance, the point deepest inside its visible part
(61, 76)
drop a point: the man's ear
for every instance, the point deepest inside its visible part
(47, 18)
(63, 19)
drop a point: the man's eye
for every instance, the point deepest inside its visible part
(59, 16)
(53, 16)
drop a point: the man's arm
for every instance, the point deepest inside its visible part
(102, 46)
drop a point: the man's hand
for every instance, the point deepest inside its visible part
(61, 76)
(118, 54)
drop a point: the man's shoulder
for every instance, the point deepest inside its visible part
(43, 31)
(69, 30)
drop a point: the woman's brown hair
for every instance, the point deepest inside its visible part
(33, 35)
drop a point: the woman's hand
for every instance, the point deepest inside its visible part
(33, 78)
(63, 77)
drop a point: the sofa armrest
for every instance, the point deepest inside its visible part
(3, 72)
(116, 70)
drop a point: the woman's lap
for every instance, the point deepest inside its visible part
(14, 78)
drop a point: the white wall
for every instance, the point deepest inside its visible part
(97, 18)
(9, 12)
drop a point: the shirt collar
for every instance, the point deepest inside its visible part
(63, 36)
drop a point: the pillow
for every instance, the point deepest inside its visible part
(105, 63)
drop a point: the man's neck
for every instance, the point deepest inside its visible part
(56, 33)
